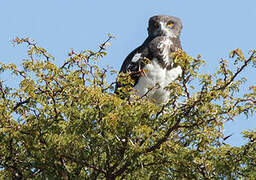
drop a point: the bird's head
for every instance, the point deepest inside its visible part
(163, 25)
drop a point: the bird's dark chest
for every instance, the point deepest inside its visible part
(160, 49)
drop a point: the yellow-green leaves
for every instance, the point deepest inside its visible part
(65, 121)
(237, 52)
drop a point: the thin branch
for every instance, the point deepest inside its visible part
(184, 84)
(223, 65)
(148, 91)
(239, 70)
(101, 48)
(163, 139)
(21, 103)
(26, 40)
(2, 90)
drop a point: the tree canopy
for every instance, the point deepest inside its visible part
(65, 122)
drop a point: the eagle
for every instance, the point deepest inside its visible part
(150, 65)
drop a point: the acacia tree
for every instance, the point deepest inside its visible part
(65, 122)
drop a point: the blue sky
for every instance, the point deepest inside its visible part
(210, 28)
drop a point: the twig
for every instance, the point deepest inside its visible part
(239, 70)
(101, 48)
(2, 90)
(21, 103)
(26, 40)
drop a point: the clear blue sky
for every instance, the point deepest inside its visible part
(211, 28)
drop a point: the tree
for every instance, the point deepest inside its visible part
(65, 122)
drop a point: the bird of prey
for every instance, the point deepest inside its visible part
(150, 65)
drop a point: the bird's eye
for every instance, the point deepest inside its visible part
(170, 24)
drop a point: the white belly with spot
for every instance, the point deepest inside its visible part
(155, 79)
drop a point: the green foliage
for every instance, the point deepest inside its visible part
(65, 122)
